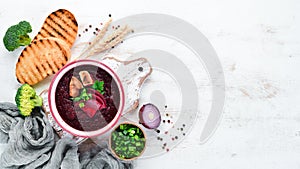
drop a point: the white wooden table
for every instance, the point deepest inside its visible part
(258, 45)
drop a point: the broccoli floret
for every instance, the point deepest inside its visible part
(17, 35)
(26, 99)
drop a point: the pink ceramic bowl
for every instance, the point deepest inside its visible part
(72, 118)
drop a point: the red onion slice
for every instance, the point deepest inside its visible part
(149, 116)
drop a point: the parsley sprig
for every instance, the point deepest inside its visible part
(99, 86)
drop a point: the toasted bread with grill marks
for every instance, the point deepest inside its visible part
(40, 59)
(60, 24)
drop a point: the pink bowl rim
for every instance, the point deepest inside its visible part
(59, 120)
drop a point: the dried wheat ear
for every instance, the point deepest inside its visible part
(101, 42)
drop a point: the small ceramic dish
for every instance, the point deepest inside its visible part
(127, 141)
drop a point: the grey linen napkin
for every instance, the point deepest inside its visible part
(64, 155)
(102, 158)
(31, 144)
(8, 112)
(29, 139)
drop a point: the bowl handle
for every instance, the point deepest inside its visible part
(132, 74)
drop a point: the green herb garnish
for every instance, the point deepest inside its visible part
(99, 86)
(83, 96)
(127, 141)
(81, 105)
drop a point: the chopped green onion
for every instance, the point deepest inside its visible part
(127, 141)
(81, 105)
(83, 96)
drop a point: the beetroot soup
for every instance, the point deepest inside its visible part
(87, 98)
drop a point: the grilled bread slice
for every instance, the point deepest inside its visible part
(59, 24)
(42, 58)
